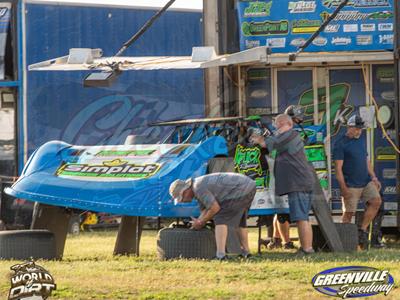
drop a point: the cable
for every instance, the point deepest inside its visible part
(368, 87)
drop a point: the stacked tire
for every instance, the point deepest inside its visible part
(185, 243)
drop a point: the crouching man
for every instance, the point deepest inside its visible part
(222, 197)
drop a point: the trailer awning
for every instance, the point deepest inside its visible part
(261, 55)
(204, 57)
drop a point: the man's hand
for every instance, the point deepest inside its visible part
(257, 139)
(345, 192)
(377, 183)
(197, 224)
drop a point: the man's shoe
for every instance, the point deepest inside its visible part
(303, 252)
(289, 246)
(275, 244)
(363, 241)
(223, 258)
(245, 256)
(265, 242)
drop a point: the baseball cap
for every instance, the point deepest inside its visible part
(356, 121)
(295, 111)
(177, 188)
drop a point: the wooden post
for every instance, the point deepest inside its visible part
(129, 234)
(54, 219)
(323, 214)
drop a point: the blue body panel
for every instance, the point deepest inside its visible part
(40, 181)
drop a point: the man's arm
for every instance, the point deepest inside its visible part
(371, 173)
(206, 216)
(340, 177)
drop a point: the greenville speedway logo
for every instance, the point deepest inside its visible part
(30, 281)
(353, 282)
(116, 168)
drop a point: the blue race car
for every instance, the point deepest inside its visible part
(132, 179)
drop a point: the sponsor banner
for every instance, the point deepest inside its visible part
(353, 282)
(30, 281)
(284, 24)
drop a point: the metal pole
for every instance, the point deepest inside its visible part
(142, 30)
(396, 52)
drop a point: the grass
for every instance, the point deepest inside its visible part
(89, 271)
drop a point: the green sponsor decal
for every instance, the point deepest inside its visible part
(305, 26)
(385, 153)
(247, 160)
(265, 28)
(258, 9)
(381, 15)
(114, 169)
(104, 153)
(315, 153)
(385, 74)
(339, 109)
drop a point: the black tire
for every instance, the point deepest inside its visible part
(348, 235)
(220, 164)
(27, 244)
(185, 243)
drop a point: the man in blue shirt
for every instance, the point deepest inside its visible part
(356, 177)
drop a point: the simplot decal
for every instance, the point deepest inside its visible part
(116, 169)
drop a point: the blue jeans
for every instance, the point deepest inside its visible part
(299, 205)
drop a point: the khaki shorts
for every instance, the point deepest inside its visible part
(366, 193)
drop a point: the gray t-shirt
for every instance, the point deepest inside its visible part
(293, 173)
(221, 187)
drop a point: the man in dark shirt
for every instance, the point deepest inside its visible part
(356, 177)
(293, 175)
(223, 197)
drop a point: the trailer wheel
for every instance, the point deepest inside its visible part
(185, 243)
(27, 244)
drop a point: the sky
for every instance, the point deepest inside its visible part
(179, 4)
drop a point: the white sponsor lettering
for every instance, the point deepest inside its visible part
(302, 7)
(341, 41)
(364, 39)
(350, 27)
(368, 27)
(276, 42)
(386, 39)
(385, 27)
(390, 190)
(298, 42)
(332, 28)
(320, 41)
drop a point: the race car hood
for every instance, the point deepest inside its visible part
(124, 179)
